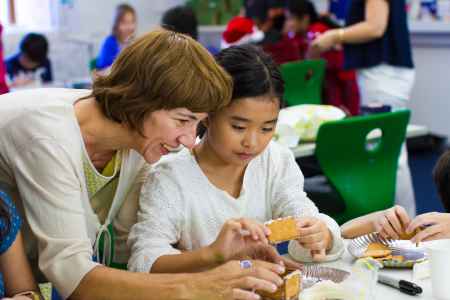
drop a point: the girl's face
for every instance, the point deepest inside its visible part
(165, 130)
(241, 131)
(127, 26)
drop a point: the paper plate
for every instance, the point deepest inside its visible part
(408, 250)
(312, 274)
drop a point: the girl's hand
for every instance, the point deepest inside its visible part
(315, 236)
(231, 282)
(435, 226)
(392, 222)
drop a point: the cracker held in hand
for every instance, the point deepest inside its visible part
(289, 290)
(377, 250)
(282, 230)
(406, 236)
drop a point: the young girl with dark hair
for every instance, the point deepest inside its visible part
(195, 205)
(16, 279)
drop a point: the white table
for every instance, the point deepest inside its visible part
(384, 292)
(307, 149)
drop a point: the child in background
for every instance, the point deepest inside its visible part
(3, 87)
(395, 221)
(240, 31)
(281, 47)
(31, 61)
(195, 203)
(15, 273)
(181, 19)
(123, 31)
(304, 24)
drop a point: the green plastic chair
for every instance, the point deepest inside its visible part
(303, 81)
(93, 64)
(362, 170)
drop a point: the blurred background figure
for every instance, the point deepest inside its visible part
(181, 19)
(262, 12)
(240, 31)
(123, 32)
(338, 9)
(303, 25)
(31, 64)
(377, 44)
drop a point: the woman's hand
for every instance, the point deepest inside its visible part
(243, 238)
(391, 223)
(323, 42)
(434, 226)
(315, 236)
(231, 282)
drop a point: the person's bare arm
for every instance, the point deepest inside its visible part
(373, 27)
(228, 281)
(16, 270)
(390, 223)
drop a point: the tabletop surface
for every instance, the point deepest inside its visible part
(384, 292)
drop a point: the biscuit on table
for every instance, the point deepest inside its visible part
(289, 290)
(398, 258)
(282, 230)
(377, 250)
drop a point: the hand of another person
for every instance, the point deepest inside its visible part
(392, 222)
(233, 282)
(322, 43)
(315, 236)
(434, 226)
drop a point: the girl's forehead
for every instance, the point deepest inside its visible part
(252, 103)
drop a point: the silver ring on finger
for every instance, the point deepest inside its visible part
(246, 264)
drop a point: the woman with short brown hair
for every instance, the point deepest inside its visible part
(73, 160)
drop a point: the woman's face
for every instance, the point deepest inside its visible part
(127, 27)
(241, 131)
(165, 130)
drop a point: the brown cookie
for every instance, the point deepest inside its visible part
(406, 236)
(377, 250)
(281, 230)
(289, 290)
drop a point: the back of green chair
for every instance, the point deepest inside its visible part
(303, 81)
(362, 169)
(93, 64)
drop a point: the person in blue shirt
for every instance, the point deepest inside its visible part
(31, 61)
(123, 31)
(16, 279)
